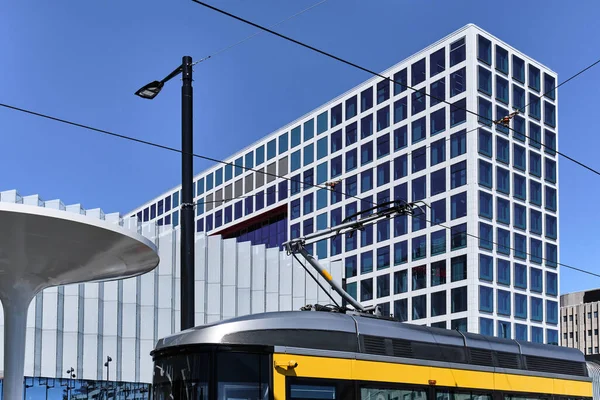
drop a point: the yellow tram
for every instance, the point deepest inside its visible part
(311, 355)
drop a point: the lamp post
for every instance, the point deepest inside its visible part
(71, 373)
(107, 365)
(187, 206)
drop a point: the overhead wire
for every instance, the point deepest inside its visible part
(563, 82)
(224, 49)
(529, 254)
(292, 179)
(153, 144)
(243, 167)
(422, 91)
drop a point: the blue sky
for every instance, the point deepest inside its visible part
(82, 61)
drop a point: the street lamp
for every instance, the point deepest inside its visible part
(149, 92)
(71, 373)
(106, 364)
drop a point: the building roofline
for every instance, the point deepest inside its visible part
(579, 292)
(371, 80)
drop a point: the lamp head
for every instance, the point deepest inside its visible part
(150, 90)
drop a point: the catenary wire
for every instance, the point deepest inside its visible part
(372, 72)
(160, 146)
(421, 216)
(562, 83)
(356, 66)
(514, 250)
(289, 191)
(224, 49)
(164, 147)
(230, 163)
(346, 62)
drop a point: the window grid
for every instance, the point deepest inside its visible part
(354, 107)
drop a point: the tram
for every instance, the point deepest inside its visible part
(325, 355)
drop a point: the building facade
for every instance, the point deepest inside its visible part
(79, 326)
(579, 321)
(483, 257)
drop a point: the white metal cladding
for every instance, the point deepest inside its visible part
(594, 373)
(124, 319)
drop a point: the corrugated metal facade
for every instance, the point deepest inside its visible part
(80, 325)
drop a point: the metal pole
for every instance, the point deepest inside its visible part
(345, 289)
(325, 274)
(187, 206)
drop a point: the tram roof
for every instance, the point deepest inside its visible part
(263, 329)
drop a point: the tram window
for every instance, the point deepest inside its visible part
(509, 397)
(312, 392)
(392, 394)
(461, 395)
(242, 376)
(181, 377)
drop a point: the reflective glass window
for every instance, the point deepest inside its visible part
(534, 106)
(502, 90)
(503, 210)
(457, 52)
(322, 123)
(536, 309)
(383, 118)
(400, 110)
(486, 268)
(503, 271)
(351, 107)
(484, 80)
(549, 86)
(484, 49)
(400, 138)
(417, 71)
(438, 152)
(366, 99)
(419, 130)
(437, 92)
(535, 280)
(458, 112)
(438, 303)
(458, 143)
(486, 326)
(484, 110)
(437, 62)
(418, 101)
(485, 173)
(501, 59)
(486, 207)
(486, 236)
(551, 283)
(518, 69)
(503, 180)
(437, 121)
(484, 143)
(534, 77)
(458, 82)
(503, 302)
(400, 81)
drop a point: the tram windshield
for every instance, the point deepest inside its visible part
(187, 376)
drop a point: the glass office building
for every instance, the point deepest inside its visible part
(483, 257)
